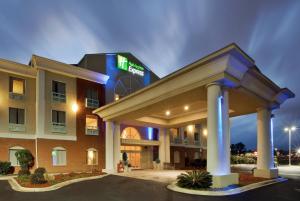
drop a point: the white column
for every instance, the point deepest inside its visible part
(162, 145)
(40, 102)
(40, 110)
(265, 157)
(167, 147)
(218, 138)
(117, 144)
(109, 147)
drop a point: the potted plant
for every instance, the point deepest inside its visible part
(156, 164)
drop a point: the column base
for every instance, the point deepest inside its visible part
(266, 173)
(221, 181)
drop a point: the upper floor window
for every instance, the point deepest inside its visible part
(196, 136)
(58, 121)
(16, 116)
(16, 88)
(91, 125)
(58, 91)
(92, 99)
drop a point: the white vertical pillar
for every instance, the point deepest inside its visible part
(117, 145)
(162, 145)
(265, 157)
(218, 138)
(167, 147)
(109, 147)
(40, 110)
(218, 131)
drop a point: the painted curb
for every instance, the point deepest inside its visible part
(17, 187)
(174, 187)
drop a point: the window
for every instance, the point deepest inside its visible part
(58, 121)
(92, 156)
(12, 155)
(92, 94)
(92, 98)
(16, 85)
(16, 116)
(58, 91)
(196, 136)
(59, 156)
(91, 125)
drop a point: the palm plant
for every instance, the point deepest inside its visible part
(195, 179)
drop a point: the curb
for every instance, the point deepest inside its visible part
(174, 187)
(17, 187)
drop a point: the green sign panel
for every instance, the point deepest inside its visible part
(124, 64)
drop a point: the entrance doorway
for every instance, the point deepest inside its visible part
(133, 154)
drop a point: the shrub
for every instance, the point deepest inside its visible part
(199, 163)
(23, 173)
(38, 176)
(6, 168)
(40, 170)
(195, 179)
(242, 159)
(26, 161)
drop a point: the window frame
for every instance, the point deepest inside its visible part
(14, 148)
(17, 118)
(59, 149)
(11, 79)
(96, 156)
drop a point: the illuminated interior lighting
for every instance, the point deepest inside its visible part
(204, 132)
(117, 97)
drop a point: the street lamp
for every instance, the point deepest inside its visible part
(289, 130)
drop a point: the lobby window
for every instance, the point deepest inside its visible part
(92, 156)
(12, 155)
(16, 119)
(92, 99)
(91, 125)
(196, 138)
(58, 91)
(197, 155)
(58, 121)
(16, 88)
(59, 156)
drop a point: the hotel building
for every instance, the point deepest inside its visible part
(47, 107)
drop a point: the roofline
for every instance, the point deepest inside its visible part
(209, 57)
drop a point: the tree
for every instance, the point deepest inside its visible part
(238, 148)
(26, 161)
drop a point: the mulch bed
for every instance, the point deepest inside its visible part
(248, 178)
(25, 181)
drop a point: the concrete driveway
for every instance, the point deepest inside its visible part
(163, 176)
(117, 188)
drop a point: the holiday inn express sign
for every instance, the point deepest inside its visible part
(124, 64)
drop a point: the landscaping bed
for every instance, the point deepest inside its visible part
(25, 181)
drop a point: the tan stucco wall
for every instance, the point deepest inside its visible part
(28, 103)
(67, 107)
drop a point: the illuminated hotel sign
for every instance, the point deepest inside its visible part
(124, 64)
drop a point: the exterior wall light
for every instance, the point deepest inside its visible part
(191, 128)
(168, 112)
(117, 97)
(75, 107)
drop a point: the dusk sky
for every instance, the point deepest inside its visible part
(165, 35)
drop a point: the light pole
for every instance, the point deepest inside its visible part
(289, 130)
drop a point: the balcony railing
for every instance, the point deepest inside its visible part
(17, 127)
(16, 96)
(184, 142)
(58, 127)
(91, 130)
(91, 103)
(58, 97)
